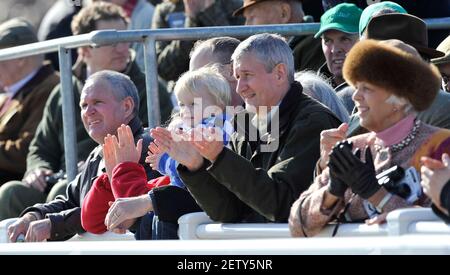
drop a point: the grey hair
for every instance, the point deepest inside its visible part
(402, 102)
(270, 49)
(121, 86)
(221, 48)
(317, 88)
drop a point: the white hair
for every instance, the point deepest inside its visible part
(402, 102)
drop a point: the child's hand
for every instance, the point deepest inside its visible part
(154, 155)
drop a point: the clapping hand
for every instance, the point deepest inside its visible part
(176, 144)
(154, 155)
(328, 139)
(358, 175)
(120, 150)
(208, 142)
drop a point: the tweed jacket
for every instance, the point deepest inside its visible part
(429, 141)
(19, 122)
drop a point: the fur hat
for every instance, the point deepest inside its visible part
(401, 73)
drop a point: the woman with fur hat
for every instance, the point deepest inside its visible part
(391, 85)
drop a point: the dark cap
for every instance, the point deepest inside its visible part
(16, 32)
(249, 3)
(405, 27)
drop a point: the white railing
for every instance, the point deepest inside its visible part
(404, 245)
(198, 226)
(407, 231)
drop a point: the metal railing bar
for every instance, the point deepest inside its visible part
(151, 81)
(48, 46)
(68, 112)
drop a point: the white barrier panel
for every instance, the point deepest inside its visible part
(244, 231)
(408, 244)
(107, 236)
(399, 222)
(4, 229)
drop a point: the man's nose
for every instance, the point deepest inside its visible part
(240, 87)
(335, 48)
(89, 110)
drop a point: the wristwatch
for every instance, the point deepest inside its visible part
(383, 202)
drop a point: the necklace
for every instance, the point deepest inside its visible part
(407, 140)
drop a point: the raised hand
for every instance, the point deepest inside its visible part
(336, 186)
(125, 149)
(177, 145)
(328, 139)
(109, 155)
(208, 142)
(348, 167)
(154, 155)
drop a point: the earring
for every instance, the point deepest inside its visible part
(395, 109)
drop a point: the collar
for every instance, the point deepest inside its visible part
(397, 132)
(325, 72)
(289, 103)
(136, 126)
(13, 89)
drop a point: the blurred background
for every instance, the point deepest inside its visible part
(33, 10)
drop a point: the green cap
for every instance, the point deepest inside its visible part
(368, 12)
(16, 32)
(343, 17)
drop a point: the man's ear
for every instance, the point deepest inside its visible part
(280, 72)
(285, 13)
(128, 105)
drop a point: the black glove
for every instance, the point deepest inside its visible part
(336, 186)
(349, 168)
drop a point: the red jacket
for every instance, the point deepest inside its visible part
(128, 180)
